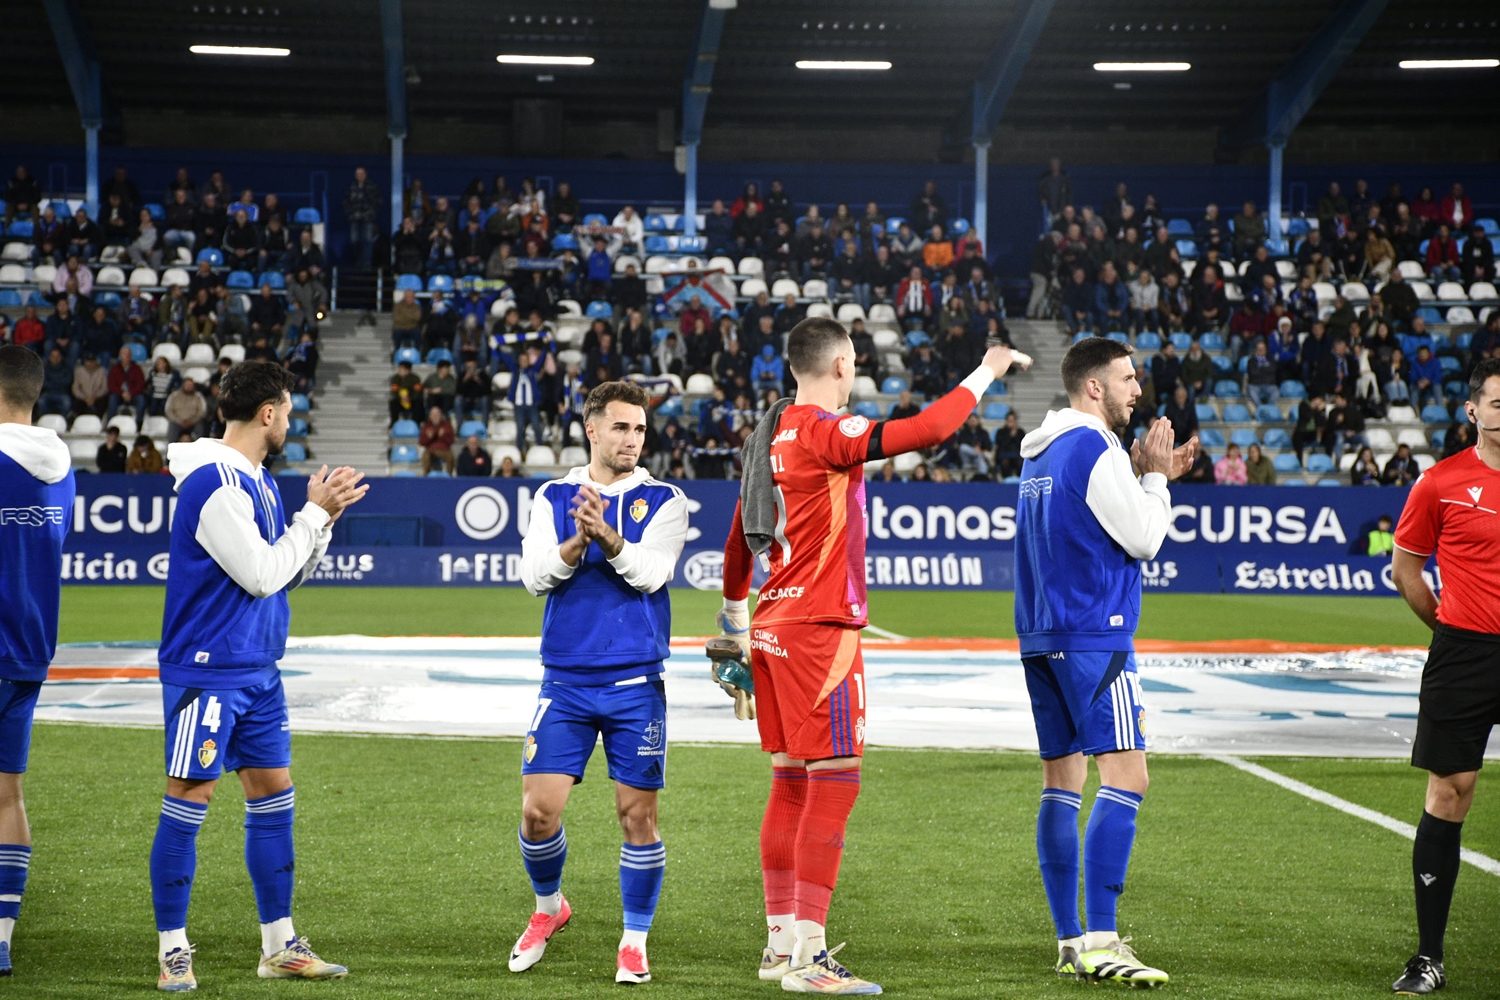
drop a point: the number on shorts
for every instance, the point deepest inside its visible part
(541, 710)
(211, 715)
(859, 682)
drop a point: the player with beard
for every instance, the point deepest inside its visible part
(1083, 523)
(233, 559)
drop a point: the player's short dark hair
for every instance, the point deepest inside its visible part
(249, 385)
(1483, 372)
(811, 341)
(21, 373)
(613, 392)
(1085, 358)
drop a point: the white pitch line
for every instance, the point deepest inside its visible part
(1481, 861)
(886, 635)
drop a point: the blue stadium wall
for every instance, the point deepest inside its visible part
(604, 185)
(465, 533)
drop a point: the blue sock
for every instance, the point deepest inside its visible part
(544, 860)
(15, 860)
(1057, 850)
(268, 853)
(641, 871)
(1106, 854)
(174, 860)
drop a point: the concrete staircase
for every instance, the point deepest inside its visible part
(1033, 393)
(349, 418)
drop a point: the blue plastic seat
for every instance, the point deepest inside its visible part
(657, 244)
(1286, 462)
(409, 283)
(1179, 227)
(440, 283)
(1212, 342)
(655, 223)
(1277, 438)
(293, 452)
(1148, 341)
(10, 297)
(138, 353)
(404, 454)
(916, 338)
(1438, 439)
(403, 474)
(438, 474)
(1422, 249)
(21, 229)
(599, 309)
(473, 428)
(1182, 341)
(893, 223)
(1489, 226)
(997, 388)
(406, 429)
(594, 219)
(240, 279)
(300, 403)
(1278, 247)
(1206, 413)
(110, 300)
(1330, 482)
(306, 217)
(1317, 462)
(893, 385)
(1295, 482)
(288, 472)
(1187, 249)
(1227, 388)
(1081, 336)
(1449, 364)
(1118, 337)
(1292, 389)
(1222, 365)
(1211, 437)
(1268, 413)
(408, 354)
(691, 244)
(1430, 316)
(670, 408)
(958, 227)
(157, 212)
(996, 411)
(1236, 413)
(1434, 413)
(1456, 389)
(564, 241)
(1244, 437)
(297, 427)
(868, 409)
(275, 279)
(439, 354)
(1463, 340)
(1244, 364)
(211, 255)
(1297, 227)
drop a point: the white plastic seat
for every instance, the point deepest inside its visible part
(821, 310)
(816, 288)
(198, 374)
(156, 427)
(1244, 267)
(573, 456)
(721, 263)
(1460, 315)
(170, 351)
(43, 274)
(1355, 291)
(657, 264)
(540, 454)
(864, 386)
(690, 263)
(1452, 291)
(234, 352)
(143, 276)
(1483, 291)
(12, 274)
(1401, 415)
(125, 423)
(883, 312)
(1325, 291)
(1411, 437)
(176, 276)
(1411, 269)
(751, 287)
(700, 385)
(571, 356)
(87, 425)
(200, 354)
(501, 452)
(752, 267)
(1423, 290)
(499, 306)
(1188, 266)
(1425, 461)
(785, 287)
(850, 311)
(906, 461)
(1233, 292)
(54, 422)
(1287, 287)
(84, 451)
(886, 339)
(1380, 439)
(569, 307)
(1286, 270)
(15, 251)
(625, 260)
(501, 382)
(110, 277)
(1346, 462)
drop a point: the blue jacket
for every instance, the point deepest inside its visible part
(1109, 296)
(233, 559)
(606, 620)
(1083, 523)
(767, 366)
(1431, 370)
(36, 506)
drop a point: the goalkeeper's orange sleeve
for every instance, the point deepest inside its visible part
(738, 561)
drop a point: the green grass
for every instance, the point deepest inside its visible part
(408, 873)
(93, 614)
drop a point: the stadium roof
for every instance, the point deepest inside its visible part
(641, 49)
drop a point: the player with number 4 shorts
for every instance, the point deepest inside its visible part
(802, 505)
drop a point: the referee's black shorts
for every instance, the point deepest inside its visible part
(1460, 701)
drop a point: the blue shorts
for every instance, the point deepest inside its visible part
(1085, 702)
(632, 717)
(209, 731)
(17, 703)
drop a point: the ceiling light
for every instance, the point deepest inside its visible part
(1449, 63)
(237, 50)
(843, 64)
(1142, 67)
(515, 60)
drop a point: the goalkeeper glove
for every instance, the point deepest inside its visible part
(729, 653)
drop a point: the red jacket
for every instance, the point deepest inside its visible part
(439, 438)
(30, 331)
(905, 287)
(690, 318)
(134, 379)
(1439, 252)
(1447, 213)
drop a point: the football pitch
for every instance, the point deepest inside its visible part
(408, 870)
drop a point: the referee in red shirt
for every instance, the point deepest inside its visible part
(1454, 511)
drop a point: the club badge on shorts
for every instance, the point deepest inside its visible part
(530, 751)
(207, 752)
(638, 510)
(1140, 721)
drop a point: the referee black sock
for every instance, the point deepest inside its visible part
(1434, 865)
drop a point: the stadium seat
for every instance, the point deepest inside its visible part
(1429, 315)
(784, 287)
(1118, 337)
(124, 423)
(1287, 462)
(176, 276)
(296, 427)
(474, 428)
(1227, 389)
(1179, 227)
(868, 409)
(239, 279)
(1275, 437)
(1489, 226)
(1236, 413)
(1244, 437)
(199, 354)
(1206, 413)
(1317, 462)
(294, 452)
(408, 283)
(143, 276)
(752, 267)
(1182, 342)
(883, 312)
(408, 354)
(850, 311)
(110, 300)
(438, 354)
(1292, 389)
(10, 298)
(1211, 437)
(670, 408)
(1483, 291)
(306, 217)
(916, 338)
(1354, 291)
(864, 385)
(53, 422)
(1268, 413)
(440, 283)
(996, 411)
(1148, 341)
(893, 223)
(653, 223)
(564, 241)
(12, 274)
(110, 277)
(820, 310)
(20, 229)
(1435, 413)
(893, 385)
(170, 351)
(816, 288)
(1081, 336)
(1212, 342)
(1330, 482)
(1286, 271)
(692, 244)
(214, 257)
(300, 403)
(1461, 316)
(404, 454)
(657, 245)
(599, 309)
(1187, 249)
(403, 430)
(1222, 365)
(700, 384)
(138, 352)
(540, 454)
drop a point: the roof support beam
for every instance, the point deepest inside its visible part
(697, 84)
(395, 100)
(82, 66)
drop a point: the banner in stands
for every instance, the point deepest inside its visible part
(921, 536)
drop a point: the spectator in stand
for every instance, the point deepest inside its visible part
(914, 305)
(1365, 471)
(57, 382)
(473, 392)
(1054, 189)
(566, 210)
(1249, 231)
(905, 406)
(1459, 438)
(937, 251)
(473, 460)
(1380, 256)
(30, 332)
(436, 441)
(1045, 253)
(1209, 305)
(21, 194)
(209, 222)
(127, 386)
(160, 385)
(1259, 470)
(1400, 300)
(75, 272)
(1477, 260)
(1337, 372)
(1402, 469)
(883, 275)
(750, 196)
(778, 249)
(144, 458)
(181, 228)
(84, 238)
(1346, 428)
(90, 387)
(267, 316)
(850, 272)
(1427, 211)
(1008, 447)
(1197, 372)
(695, 312)
(361, 204)
(471, 248)
(117, 220)
(1111, 302)
(121, 186)
(1166, 368)
(718, 229)
(49, 238)
(974, 447)
(525, 390)
(242, 243)
(768, 371)
(186, 409)
(1426, 378)
(814, 252)
(1077, 302)
(670, 356)
(749, 229)
(630, 232)
(1172, 303)
(928, 208)
(1457, 210)
(408, 248)
(305, 256)
(1231, 470)
(1302, 304)
(928, 373)
(440, 388)
(203, 318)
(1183, 414)
(1310, 424)
(111, 455)
(99, 334)
(406, 323)
(145, 250)
(302, 361)
(1313, 257)
(1442, 256)
(1261, 381)
(1395, 379)
(307, 302)
(906, 245)
(406, 394)
(64, 331)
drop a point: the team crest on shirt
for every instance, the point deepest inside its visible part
(207, 752)
(638, 510)
(201, 656)
(1140, 721)
(859, 730)
(854, 425)
(530, 751)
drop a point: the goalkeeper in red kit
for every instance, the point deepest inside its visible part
(802, 505)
